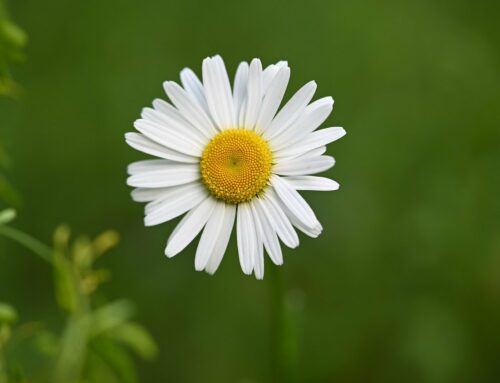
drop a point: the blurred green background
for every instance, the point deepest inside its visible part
(404, 282)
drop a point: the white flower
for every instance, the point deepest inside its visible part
(230, 155)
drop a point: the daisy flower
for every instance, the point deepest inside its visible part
(231, 157)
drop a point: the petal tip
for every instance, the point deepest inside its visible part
(169, 253)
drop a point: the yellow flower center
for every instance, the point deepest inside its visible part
(236, 165)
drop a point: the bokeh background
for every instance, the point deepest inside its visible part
(404, 282)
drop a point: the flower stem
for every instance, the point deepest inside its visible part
(33, 244)
(277, 325)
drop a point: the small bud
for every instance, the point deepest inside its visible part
(106, 241)
(61, 237)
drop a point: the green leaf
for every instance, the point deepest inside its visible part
(12, 40)
(109, 317)
(116, 359)
(97, 370)
(7, 215)
(137, 338)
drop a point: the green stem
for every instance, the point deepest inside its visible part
(33, 244)
(74, 346)
(277, 311)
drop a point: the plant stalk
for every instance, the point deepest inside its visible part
(277, 325)
(33, 244)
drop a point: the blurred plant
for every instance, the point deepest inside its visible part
(8, 194)
(286, 314)
(7, 316)
(95, 342)
(12, 41)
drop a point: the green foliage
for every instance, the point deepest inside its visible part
(7, 192)
(136, 337)
(97, 341)
(12, 41)
(8, 316)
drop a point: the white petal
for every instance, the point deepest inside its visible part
(278, 220)
(173, 121)
(168, 194)
(267, 233)
(312, 183)
(282, 64)
(145, 145)
(312, 232)
(269, 73)
(169, 137)
(148, 194)
(312, 117)
(246, 238)
(171, 176)
(314, 140)
(189, 227)
(222, 239)
(218, 92)
(291, 111)
(272, 99)
(190, 109)
(254, 94)
(294, 202)
(148, 165)
(243, 109)
(174, 202)
(259, 241)
(194, 87)
(169, 110)
(210, 236)
(240, 90)
(310, 165)
(259, 258)
(307, 155)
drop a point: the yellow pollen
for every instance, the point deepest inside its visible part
(236, 165)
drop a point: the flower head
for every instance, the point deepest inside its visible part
(231, 156)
